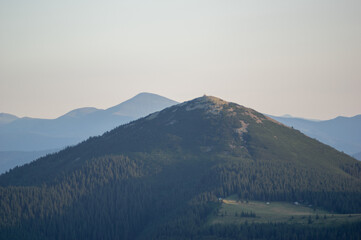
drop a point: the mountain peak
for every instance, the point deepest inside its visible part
(141, 105)
(76, 113)
(215, 106)
(209, 103)
(167, 164)
(211, 100)
(143, 94)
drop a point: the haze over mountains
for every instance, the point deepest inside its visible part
(7, 118)
(31, 134)
(160, 177)
(38, 136)
(342, 133)
(26, 139)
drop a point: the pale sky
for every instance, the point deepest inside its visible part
(279, 57)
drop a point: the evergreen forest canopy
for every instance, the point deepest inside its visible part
(161, 177)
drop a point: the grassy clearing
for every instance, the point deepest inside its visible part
(234, 211)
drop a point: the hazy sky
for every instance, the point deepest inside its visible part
(297, 57)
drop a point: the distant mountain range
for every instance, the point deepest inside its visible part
(33, 135)
(25, 139)
(164, 176)
(342, 133)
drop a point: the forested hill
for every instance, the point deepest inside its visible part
(159, 177)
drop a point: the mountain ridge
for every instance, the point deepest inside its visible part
(161, 176)
(342, 133)
(33, 134)
(80, 112)
(98, 121)
(6, 118)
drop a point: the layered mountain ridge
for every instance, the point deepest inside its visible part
(35, 136)
(160, 176)
(32, 134)
(342, 133)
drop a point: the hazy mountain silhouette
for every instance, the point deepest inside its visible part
(32, 134)
(6, 118)
(160, 177)
(342, 133)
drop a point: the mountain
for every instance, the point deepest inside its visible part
(31, 134)
(162, 177)
(7, 118)
(342, 133)
(34, 135)
(80, 112)
(357, 156)
(141, 105)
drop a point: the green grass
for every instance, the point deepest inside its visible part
(277, 212)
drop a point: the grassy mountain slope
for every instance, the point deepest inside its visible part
(160, 176)
(234, 210)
